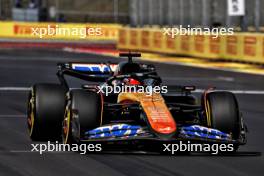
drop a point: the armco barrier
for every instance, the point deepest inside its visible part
(24, 30)
(242, 47)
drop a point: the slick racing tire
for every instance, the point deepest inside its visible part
(46, 103)
(83, 112)
(222, 112)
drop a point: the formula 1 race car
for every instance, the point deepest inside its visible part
(94, 114)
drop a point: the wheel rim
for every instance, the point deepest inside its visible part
(66, 126)
(31, 113)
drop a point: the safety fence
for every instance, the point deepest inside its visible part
(244, 47)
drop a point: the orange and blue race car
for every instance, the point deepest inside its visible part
(150, 114)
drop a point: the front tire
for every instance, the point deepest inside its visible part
(222, 112)
(83, 112)
(46, 104)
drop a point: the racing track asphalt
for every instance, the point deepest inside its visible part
(21, 68)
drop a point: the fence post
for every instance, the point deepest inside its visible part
(160, 12)
(1, 8)
(150, 14)
(116, 11)
(205, 14)
(170, 9)
(257, 15)
(181, 12)
(133, 12)
(192, 12)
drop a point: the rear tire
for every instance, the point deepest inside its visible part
(46, 104)
(83, 113)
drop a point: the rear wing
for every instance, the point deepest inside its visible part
(89, 68)
(85, 71)
(97, 72)
(94, 68)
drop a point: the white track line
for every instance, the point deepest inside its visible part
(21, 151)
(220, 78)
(14, 88)
(12, 115)
(256, 92)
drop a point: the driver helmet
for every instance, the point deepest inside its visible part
(127, 68)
